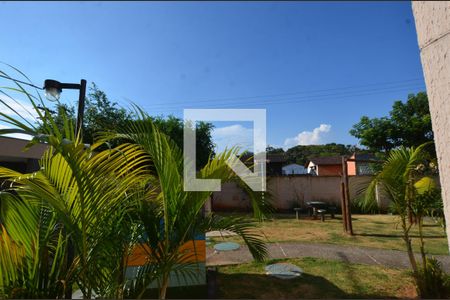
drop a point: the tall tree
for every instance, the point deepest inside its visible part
(92, 199)
(173, 127)
(413, 192)
(172, 217)
(301, 154)
(104, 115)
(408, 124)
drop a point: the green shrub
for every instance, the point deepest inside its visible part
(432, 281)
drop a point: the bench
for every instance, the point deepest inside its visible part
(321, 208)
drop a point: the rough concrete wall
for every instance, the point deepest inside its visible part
(291, 191)
(433, 32)
(231, 197)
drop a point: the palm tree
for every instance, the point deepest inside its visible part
(80, 196)
(32, 250)
(101, 203)
(402, 179)
(171, 217)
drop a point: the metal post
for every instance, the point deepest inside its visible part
(343, 206)
(347, 196)
(80, 115)
(78, 131)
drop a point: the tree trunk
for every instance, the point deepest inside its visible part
(121, 277)
(407, 239)
(164, 285)
(422, 243)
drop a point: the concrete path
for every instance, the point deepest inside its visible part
(222, 233)
(351, 254)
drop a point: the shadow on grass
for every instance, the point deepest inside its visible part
(259, 286)
(340, 218)
(352, 276)
(382, 235)
(187, 292)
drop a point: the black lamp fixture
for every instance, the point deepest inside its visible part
(53, 90)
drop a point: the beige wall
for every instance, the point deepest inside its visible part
(433, 32)
(291, 191)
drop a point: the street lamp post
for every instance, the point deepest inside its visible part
(53, 91)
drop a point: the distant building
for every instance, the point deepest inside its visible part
(325, 166)
(332, 165)
(13, 155)
(274, 163)
(362, 165)
(293, 169)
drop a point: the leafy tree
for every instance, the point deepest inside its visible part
(412, 121)
(101, 202)
(103, 115)
(303, 153)
(414, 195)
(273, 150)
(81, 197)
(377, 133)
(173, 127)
(408, 124)
(170, 216)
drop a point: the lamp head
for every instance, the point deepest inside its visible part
(52, 90)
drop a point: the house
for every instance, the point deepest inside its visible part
(293, 169)
(359, 164)
(13, 155)
(274, 163)
(325, 166)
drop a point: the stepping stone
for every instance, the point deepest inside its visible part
(227, 246)
(284, 271)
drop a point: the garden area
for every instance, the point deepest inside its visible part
(323, 279)
(329, 278)
(229, 150)
(381, 231)
(105, 214)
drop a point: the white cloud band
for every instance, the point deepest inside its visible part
(314, 137)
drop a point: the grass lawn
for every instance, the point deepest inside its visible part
(378, 231)
(321, 279)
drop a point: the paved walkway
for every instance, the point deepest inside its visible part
(352, 254)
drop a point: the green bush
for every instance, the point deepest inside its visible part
(432, 281)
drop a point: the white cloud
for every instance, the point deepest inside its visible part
(16, 135)
(231, 136)
(314, 137)
(24, 109)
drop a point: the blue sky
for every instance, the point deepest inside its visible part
(315, 67)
